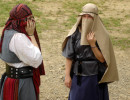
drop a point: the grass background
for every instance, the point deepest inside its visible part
(54, 19)
(71, 9)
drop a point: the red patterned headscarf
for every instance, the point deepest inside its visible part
(17, 21)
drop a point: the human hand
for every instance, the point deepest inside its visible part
(68, 81)
(30, 28)
(91, 39)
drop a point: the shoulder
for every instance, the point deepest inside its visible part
(20, 36)
(76, 35)
(15, 34)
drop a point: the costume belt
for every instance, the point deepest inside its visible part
(85, 68)
(19, 73)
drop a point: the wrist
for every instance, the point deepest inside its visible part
(30, 34)
(67, 75)
(93, 45)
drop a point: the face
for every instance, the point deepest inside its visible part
(31, 17)
(87, 16)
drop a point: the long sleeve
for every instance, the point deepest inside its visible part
(25, 50)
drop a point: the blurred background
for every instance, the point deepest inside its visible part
(54, 18)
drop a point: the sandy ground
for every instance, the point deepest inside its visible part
(52, 84)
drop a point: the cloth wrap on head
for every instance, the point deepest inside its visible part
(103, 40)
(17, 21)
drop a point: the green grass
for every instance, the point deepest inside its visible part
(110, 23)
(46, 0)
(123, 43)
(48, 23)
(126, 30)
(77, 6)
(71, 20)
(4, 11)
(7, 6)
(127, 16)
(42, 22)
(74, 8)
(69, 10)
(39, 0)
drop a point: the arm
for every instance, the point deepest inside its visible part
(98, 54)
(33, 40)
(68, 80)
(92, 42)
(25, 50)
(68, 53)
(30, 28)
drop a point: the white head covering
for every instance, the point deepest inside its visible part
(103, 40)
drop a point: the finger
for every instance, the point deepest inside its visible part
(92, 35)
(67, 85)
(29, 23)
(87, 36)
(70, 84)
(33, 24)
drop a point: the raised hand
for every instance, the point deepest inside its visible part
(91, 39)
(30, 28)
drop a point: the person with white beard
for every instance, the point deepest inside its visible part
(90, 60)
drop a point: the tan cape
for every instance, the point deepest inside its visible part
(103, 40)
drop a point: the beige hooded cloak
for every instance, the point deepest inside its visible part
(103, 40)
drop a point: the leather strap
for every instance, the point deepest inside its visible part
(19, 73)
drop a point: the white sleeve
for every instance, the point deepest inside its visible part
(25, 50)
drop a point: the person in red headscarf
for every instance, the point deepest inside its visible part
(20, 50)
